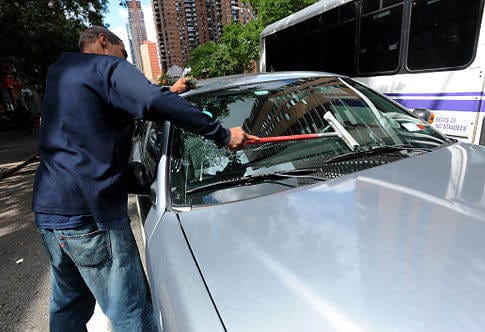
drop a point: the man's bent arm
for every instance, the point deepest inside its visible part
(130, 91)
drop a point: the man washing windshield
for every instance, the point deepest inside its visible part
(80, 191)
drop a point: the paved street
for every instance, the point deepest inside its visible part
(24, 276)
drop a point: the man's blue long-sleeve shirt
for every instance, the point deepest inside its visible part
(85, 141)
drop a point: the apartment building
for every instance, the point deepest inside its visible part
(137, 31)
(182, 25)
(235, 10)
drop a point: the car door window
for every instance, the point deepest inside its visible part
(153, 148)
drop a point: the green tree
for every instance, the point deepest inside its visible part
(201, 59)
(212, 59)
(35, 32)
(270, 11)
(242, 43)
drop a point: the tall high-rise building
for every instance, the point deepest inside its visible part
(130, 41)
(182, 25)
(151, 64)
(137, 30)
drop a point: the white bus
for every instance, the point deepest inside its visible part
(422, 53)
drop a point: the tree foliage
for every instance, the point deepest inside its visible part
(238, 51)
(270, 11)
(242, 43)
(35, 32)
(234, 54)
(202, 60)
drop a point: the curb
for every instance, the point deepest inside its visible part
(15, 169)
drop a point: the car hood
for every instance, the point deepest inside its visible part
(396, 247)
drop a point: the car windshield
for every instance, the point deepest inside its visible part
(357, 129)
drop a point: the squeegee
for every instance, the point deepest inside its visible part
(272, 139)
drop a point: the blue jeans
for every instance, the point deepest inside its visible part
(89, 265)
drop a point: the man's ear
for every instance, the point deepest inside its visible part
(103, 41)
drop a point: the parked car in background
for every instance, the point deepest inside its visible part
(378, 224)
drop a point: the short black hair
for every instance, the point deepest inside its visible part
(89, 35)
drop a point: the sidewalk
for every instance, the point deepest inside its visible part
(15, 149)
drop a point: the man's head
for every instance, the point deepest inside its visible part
(99, 40)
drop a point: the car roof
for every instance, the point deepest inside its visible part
(217, 83)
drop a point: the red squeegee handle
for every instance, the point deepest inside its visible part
(283, 138)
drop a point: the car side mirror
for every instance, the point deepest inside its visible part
(424, 114)
(137, 179)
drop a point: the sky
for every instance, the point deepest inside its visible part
(117, 17)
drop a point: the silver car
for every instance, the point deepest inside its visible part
(376, 223)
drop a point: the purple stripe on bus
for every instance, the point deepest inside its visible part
(441, 94)
(442, 105)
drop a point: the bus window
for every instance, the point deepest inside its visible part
(307, 45)
(289, 54)
(281, 50)
(273, 43)
(442, 33)
(369, 6)
(338, 39)
(388, 3)
(271, 52)
(380, 40)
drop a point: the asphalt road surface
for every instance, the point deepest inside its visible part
(24, 276)
(24, 272)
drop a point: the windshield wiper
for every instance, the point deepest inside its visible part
(266, 177)
(376, 150)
